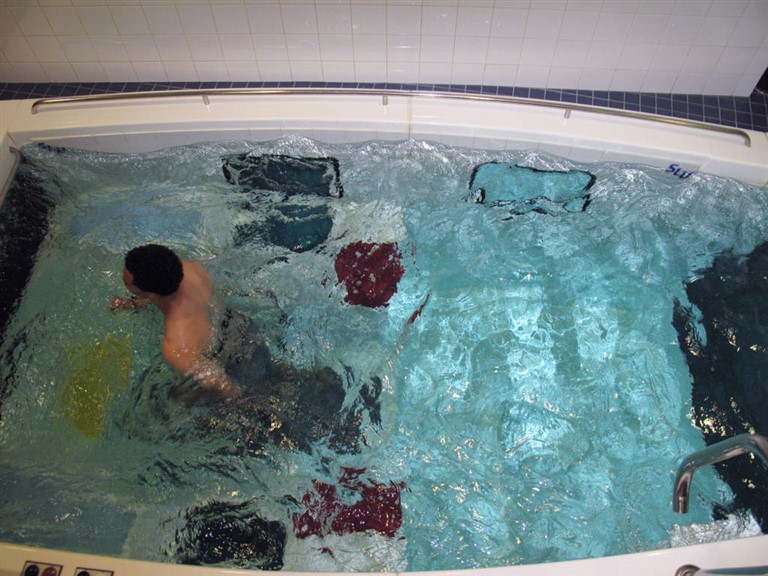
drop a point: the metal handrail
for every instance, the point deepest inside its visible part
(567, 107)
(693, 570)
(717, 452)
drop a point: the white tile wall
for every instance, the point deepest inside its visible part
(684, 46)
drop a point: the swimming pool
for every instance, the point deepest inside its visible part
(377, 106)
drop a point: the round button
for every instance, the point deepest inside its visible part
(32, 570)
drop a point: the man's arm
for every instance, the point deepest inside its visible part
(132, 303)
(212, 378)
(207, 373)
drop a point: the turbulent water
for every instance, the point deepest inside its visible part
(521, 397)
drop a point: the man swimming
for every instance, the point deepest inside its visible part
(290, 406)
(182, 291)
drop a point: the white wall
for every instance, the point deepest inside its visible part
(681, 46)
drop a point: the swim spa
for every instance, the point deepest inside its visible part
(580, 138)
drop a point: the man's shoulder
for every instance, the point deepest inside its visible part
(196, 269)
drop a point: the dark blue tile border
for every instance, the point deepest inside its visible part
(750, 113)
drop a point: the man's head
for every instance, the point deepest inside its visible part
(152, 268)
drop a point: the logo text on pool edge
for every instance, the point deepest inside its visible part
(677, 170)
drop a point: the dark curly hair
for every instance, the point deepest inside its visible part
(155, 269)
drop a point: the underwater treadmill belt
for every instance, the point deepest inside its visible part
(523, 189)
(287, 174)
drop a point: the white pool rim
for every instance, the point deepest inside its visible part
(744, 552)
(583, 134)
(146, 122)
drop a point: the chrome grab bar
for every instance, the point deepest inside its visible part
(723, 450)
(567, 107)
(693, 570)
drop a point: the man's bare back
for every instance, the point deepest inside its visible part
(187, 323)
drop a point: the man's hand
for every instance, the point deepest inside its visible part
(118, 303)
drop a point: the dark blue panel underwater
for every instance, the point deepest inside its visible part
(296, 226)
(286, 174)
(231, 533)
(730, 366)
(522, 189)
(24, 218)
(23, 225)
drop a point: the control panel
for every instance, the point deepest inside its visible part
(32, 568)
(41, 569)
